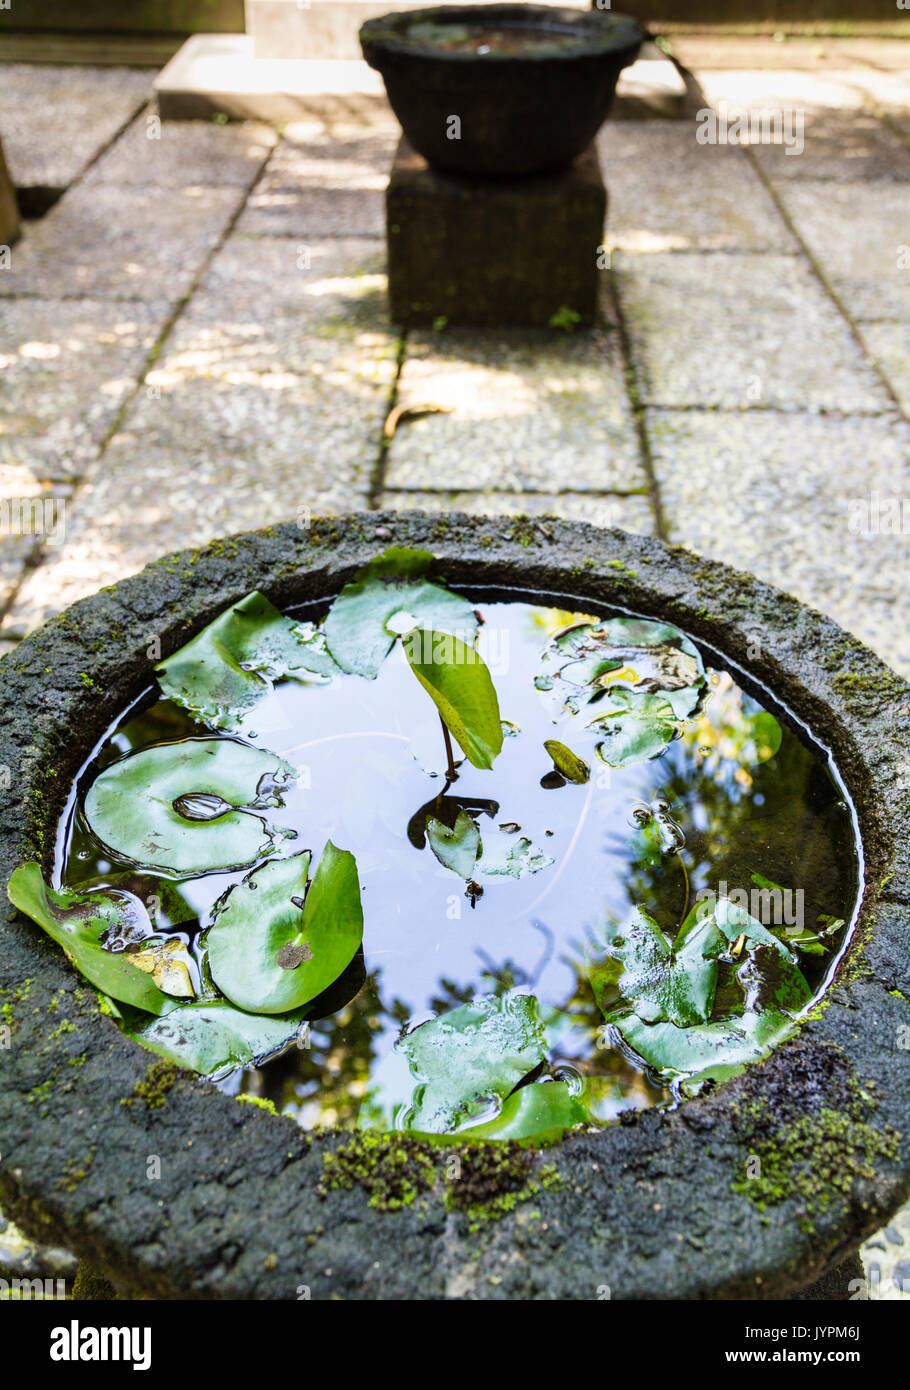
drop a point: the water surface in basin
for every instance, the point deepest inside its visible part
(718, 811)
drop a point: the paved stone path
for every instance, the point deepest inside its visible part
(193, 341)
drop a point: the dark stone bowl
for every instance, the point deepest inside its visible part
(520, 113)
(246, 1205)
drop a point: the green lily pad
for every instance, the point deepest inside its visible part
(215, 1039)
(77, 922)
(675, 983)
(573, 768)
(448, 1071)
(701, 1050)
(273, 945)
(589, 660)
(640, 679)
(626, 737)
(134, 806)
(359, 629)
(542, 1111)
(224, 671)
(458, 682)
(503, 856)
(457, 848)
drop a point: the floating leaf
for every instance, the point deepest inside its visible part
(542, 1112)
(457, 848)
(705, 1047)
(588, 660)
(515, 859)
(225, 670)
(453, 1068)
(77, 922)
(132, 805)
(573, 768)
(359, 628)
(627, 737)
(215, 1038)
(639, 677)
(271, 911)
(457, 680)
(676, 984)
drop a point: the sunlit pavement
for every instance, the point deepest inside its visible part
(193, 341)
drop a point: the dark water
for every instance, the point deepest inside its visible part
(652, 835)
(482, 39)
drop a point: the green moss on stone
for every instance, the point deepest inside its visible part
(394, 1169)
(815, 1157)
(153, 1088)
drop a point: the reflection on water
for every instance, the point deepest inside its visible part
(722, 803)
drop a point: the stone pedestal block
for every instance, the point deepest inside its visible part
(486, 252)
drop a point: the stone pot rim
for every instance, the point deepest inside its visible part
(246, 1205)
(600, 34)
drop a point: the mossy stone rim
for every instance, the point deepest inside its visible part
(246, 1205)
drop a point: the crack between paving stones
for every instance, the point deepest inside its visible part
(633, 391)
(377, 485)
(152, 356)
(827, 286)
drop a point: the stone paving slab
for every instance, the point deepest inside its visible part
(855, 232)
(631, 513)
(784, 88)
(889, 344)
(323, 184)
(761, 52)
(888, 91)
(55, 120)
(200, 463)
(67, 366)
(886, 1257)
(178, 154)
(530, 410)
(843, 147)
(105, 242)
(651, 169)
(772, 494)
(270, 303)
(738, 331)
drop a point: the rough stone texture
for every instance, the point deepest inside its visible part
(66, 368)
(56, 120)
(323, 183)
(500, 252)
(238, 1212)
(529, 410)
(277, 304)
(166, 154)
(214, 453)
(786, 485)
(889, 344)
(106, 243)
(668, 193)
(885, 1256)
(716, 330)
(632, 513)
(839, 147)
(856, 233)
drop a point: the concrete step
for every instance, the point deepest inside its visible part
(326, 28)
(219, 73)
